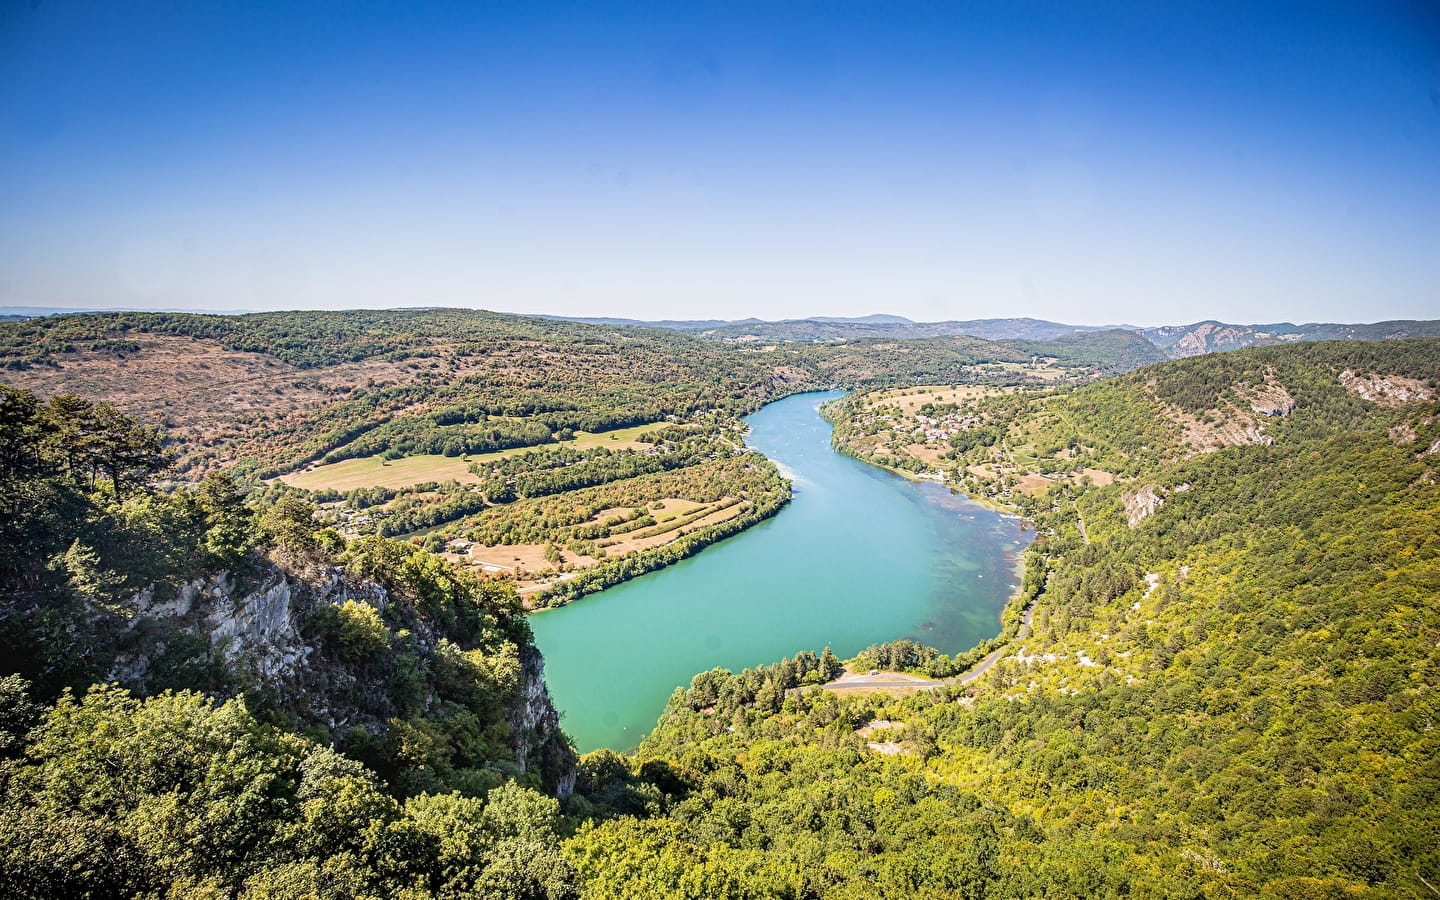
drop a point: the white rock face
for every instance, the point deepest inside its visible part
(1141, 504)
(260, 626)
(257, 631)
(1386, 390)
(535, 719)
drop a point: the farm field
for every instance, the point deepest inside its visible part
(407, 471)
(377, 471)
(535, 567)
(909, 400)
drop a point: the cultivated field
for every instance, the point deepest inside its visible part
(532, 571)
(375, 471)
(909, 400)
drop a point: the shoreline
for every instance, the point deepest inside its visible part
(644, 562)
(1026, 610)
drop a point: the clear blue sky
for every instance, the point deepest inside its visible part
(1082, 161)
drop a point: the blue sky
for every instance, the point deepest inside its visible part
(1088, 162)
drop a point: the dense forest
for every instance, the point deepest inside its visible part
(320, 385)
(492, 413)
(1228, 687)
(262, 644)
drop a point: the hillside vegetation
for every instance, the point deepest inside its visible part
(1233, 694)
(1228, 689)
(445, 427)
(107, 576)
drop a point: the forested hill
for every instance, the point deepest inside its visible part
(562, 456)
(1230, 689)
(1211, 336)
(273, 391)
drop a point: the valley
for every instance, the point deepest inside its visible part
(857, 557)
(719, 451)
(1223, 680)
(527, 450)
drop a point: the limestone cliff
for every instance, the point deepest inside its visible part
(289, 641)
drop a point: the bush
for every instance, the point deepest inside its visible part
(355, 629)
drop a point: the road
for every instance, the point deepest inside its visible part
(852, 682)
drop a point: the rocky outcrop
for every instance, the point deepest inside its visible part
(263, 635)
(1270, 398)
(1218, 430)
(1239, 418)
(1140, 504)
(1208, 337)
(254, 632)
(535, 723)
(1386, 390)
(259, 628)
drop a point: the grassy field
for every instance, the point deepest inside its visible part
(617, 439)
(374, 471)
(911, 399)
(533, 572)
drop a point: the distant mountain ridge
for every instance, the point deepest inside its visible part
(14, 313)
(1211, 336)
(831, 329)
(1172, 341)
(670, 324)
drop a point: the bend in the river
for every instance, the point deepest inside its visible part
(860, 556)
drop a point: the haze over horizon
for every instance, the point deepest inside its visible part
(1249, 162)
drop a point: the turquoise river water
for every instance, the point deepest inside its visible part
(859, 556)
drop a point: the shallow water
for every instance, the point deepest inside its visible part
(859, 556)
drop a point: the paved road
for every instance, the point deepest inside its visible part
(883, 680)
(900, 680)
(989, 662)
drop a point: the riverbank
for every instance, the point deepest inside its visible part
(899, 684)
(614, 572)
(801, 580)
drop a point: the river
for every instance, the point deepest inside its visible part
(859, 556)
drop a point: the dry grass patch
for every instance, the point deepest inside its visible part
(375, 471)
(1032, 485)
(508, 558)
(911, 399)
(926, 453)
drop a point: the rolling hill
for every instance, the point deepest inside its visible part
(1220, 677)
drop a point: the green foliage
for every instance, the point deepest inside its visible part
(289, 526)
(177, 796)
(356, 628)
(1233, 696)
(18, 714)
